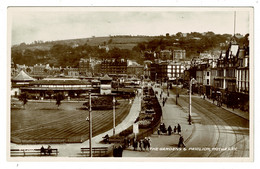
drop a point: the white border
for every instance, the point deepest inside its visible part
(3, 47)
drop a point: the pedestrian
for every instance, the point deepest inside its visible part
(128, 142)
(43, 150)
(120, 151)
(163, 102)
(135, 144)
(141, 144)
(149, 143)
(179, 128)
(175, 129)
(169, 130)
(158, 131)
(49, 150)
(125, 143)
(164, 128)
(145, 143)
(181, 142)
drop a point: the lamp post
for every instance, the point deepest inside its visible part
(114, 116)
(90, 126)
(155, 78)
(191, 81)
(176, 95)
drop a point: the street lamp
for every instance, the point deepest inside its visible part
(155, 78)
(114, 115)
(192, 81)
(89, 119)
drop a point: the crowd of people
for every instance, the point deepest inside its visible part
(143, 144)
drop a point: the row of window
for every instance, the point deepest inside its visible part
(174, 75)
(175, 66)
(175, 70)
(70, 86)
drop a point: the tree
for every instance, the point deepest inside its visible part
(24, 98)
(50, 93)
(28, 70)
(59, 98)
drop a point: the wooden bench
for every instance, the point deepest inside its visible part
(115, 140)
(33, 152)
(96, 151)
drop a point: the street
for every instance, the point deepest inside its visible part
(216, 127)
(215, 132)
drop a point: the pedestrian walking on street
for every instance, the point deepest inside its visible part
(141, 145)
(179, 128)
(163, 102)
(158, 131)
(175, 129)
(181, 142)
(169, 130)
(149, 143)
(135, 144)
(128, 142)
(145, 143)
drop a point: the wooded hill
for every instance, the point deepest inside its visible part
(68, 52)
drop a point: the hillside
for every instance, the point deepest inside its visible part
(121, 42)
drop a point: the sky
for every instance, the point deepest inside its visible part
(49, 23)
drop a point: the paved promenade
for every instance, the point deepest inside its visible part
(73, 150)
(164, 145)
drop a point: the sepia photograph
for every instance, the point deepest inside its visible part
(129, 83)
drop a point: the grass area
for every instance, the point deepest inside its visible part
(44, 123)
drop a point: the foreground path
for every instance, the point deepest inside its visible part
(165, 145)
(73, 150)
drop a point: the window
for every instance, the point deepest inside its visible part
(207, 73)
(207, 81)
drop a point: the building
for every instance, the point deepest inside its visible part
(166, 55)
(85, 67)
(69, 87)
(179, 54)
(71, 72)
(226, 68)
(175, 72)
(39, 69)
(115, 67)
(243, 78)
(135, 70)
(105, 85)
(19, 81)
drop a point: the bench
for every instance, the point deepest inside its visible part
(33, 152)
(96, 151)
(115, 140)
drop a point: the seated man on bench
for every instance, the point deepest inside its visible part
(106, 138)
